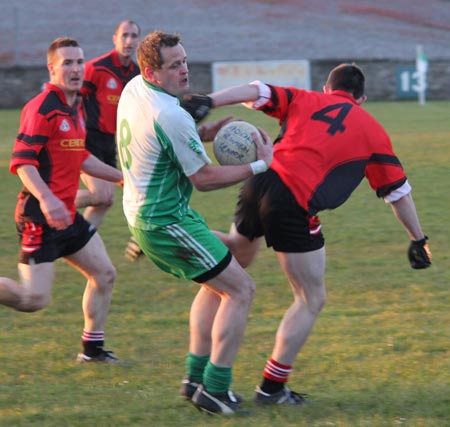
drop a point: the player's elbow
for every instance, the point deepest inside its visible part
(204, 186)
(204, 179)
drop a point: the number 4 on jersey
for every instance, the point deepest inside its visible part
(334, 120)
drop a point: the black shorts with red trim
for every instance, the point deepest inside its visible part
(103, 146)
(40, 243)
(266, 207)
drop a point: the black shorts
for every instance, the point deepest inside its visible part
(103, 146)
(266, 207)
(40, 243)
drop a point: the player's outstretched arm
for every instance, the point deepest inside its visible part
(198, 106)
(235, 95)
(418, 253)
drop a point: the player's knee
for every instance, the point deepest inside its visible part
(104, 199)
(246, 292)
(33, 302)
(108, 201)
(106, 279)
(244, 255)
(244, 259)
(317, 301)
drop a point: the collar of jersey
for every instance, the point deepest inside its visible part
(158, 89)
(344, 94)
(53, 88)
(116, 61)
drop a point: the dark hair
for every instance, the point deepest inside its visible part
(127, 21)
(347, 77)
(57, 44)
(149, 50)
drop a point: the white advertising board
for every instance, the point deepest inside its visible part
(282, 73)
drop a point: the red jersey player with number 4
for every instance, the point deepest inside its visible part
(326, 146)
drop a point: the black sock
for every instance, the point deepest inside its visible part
(92, 348)
(271, 387)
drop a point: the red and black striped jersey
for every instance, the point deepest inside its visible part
(51, 137)
(104, 79)
(327, 145)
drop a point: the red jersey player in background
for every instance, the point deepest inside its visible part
(104, 79)
(48, 156)
(326, 146)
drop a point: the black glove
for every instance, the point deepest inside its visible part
(197, 106)
(419, 254)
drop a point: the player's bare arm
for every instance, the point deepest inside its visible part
(96, 168)
(198, 106)
(405, 211)
(211, 177)
(419, 254)
(235, 95)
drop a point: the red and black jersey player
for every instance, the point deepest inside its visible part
(104, 79)
(48, 156)
(327, 145)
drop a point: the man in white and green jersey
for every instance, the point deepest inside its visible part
(163, 158)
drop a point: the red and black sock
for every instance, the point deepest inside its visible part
(275, 376)
(93, 342)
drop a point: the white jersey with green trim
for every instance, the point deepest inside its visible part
(158, 147)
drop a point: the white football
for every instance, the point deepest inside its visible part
(233, 144)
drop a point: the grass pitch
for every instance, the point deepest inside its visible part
(378, 356)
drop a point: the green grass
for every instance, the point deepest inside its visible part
(378, 355)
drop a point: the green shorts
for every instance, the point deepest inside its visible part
(186, 249)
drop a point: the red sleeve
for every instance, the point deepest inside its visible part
(384, 170)
(280, 99)
(33, 134)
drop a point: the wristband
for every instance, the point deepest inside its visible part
(259, 166)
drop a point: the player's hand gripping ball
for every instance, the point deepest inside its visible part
(233, 144)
